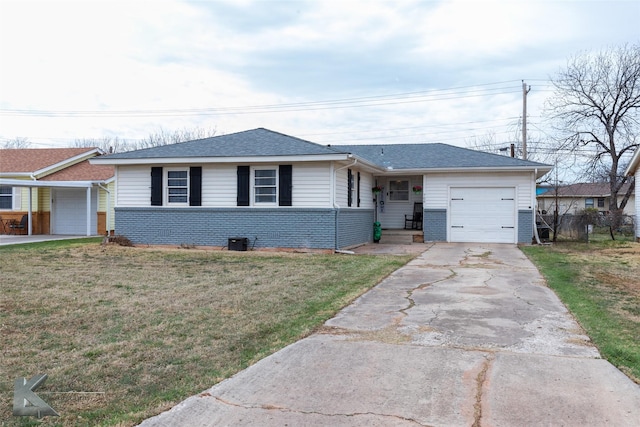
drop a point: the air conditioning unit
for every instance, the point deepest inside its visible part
(238, 243)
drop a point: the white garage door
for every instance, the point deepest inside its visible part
(69, 211)
(482, 215)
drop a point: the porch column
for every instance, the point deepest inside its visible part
(88, 211)
(30, 222)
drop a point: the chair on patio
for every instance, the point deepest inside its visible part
(22, 225)
(414, 222)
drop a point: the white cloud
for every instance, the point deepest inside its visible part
(176, 55)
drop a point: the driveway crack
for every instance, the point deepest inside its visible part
(480, 382)
(269, 407)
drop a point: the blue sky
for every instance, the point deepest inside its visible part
(328, 71)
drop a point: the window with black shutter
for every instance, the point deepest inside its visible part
(244, 175)
(358, 190)
(195, 186)
(285, 185)
(349, 188)
(156, 186)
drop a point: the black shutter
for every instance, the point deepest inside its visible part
(243, 185)
(285, 185)
(349, 187)
(358, 190)
(195, 186)
(156, 186)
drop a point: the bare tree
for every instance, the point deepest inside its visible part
(18, 142)
(596, 107)
(161, 137)
(164, 137)
(106, 144)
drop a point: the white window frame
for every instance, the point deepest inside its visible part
(588, 205)
(168, 187)
(393, 197)
(276, 186)
(12, 197)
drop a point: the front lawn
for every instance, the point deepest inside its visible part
(125, 333)
(600, 284)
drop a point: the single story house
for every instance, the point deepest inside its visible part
(278, 191)
(574, 198)
(58, 189)
(633, 170)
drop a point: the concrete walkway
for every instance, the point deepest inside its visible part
(464, 335)
(9, 239)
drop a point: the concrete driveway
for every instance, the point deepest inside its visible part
(464, 335)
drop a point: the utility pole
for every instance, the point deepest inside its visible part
(525, 91)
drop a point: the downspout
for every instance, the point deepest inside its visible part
(335, 205)
(535, 208)
(106, 216)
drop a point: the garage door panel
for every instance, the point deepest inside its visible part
(70, 211)
(482, 214)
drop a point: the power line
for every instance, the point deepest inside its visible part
(359, 102)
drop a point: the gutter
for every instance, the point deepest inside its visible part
(336, 206)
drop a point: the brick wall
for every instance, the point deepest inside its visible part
(525, 226)
(265, 228)
(355, 226)
(434, 225)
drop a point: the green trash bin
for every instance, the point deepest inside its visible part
(377, 232)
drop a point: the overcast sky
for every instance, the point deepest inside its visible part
(328, 71)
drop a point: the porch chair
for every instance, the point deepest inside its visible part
(415, 220)
(22, 225)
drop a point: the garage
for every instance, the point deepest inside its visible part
(482, 214)
(69, 211)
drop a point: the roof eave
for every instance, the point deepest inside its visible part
(49, 184)
(235, 159)
(539, 170)
(69, 161)
(634, 164)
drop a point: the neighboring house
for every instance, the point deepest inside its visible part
(279, 191)
(59, 190)
(634, 170)
(574, 198)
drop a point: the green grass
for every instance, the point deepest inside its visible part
(126, 333)
(599, 282)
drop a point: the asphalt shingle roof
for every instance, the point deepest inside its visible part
(256, 142)
(432, 156)
(264, 142)
(584, 189)
(27, 160)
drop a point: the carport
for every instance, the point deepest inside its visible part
(88, 185)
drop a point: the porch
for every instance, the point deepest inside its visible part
(401, 237)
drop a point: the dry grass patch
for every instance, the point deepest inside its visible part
(600, 283)
(124, 333)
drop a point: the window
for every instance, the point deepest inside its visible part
(178, 186)
(265, 186)
(398, 190)
(588, 202)
(6, 197)
(350, 187)
(601, 202)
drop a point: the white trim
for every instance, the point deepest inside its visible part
(165, 179)
(202, 160)
(252, 186)
(72, 160)
(634, 163)
(48, 184)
